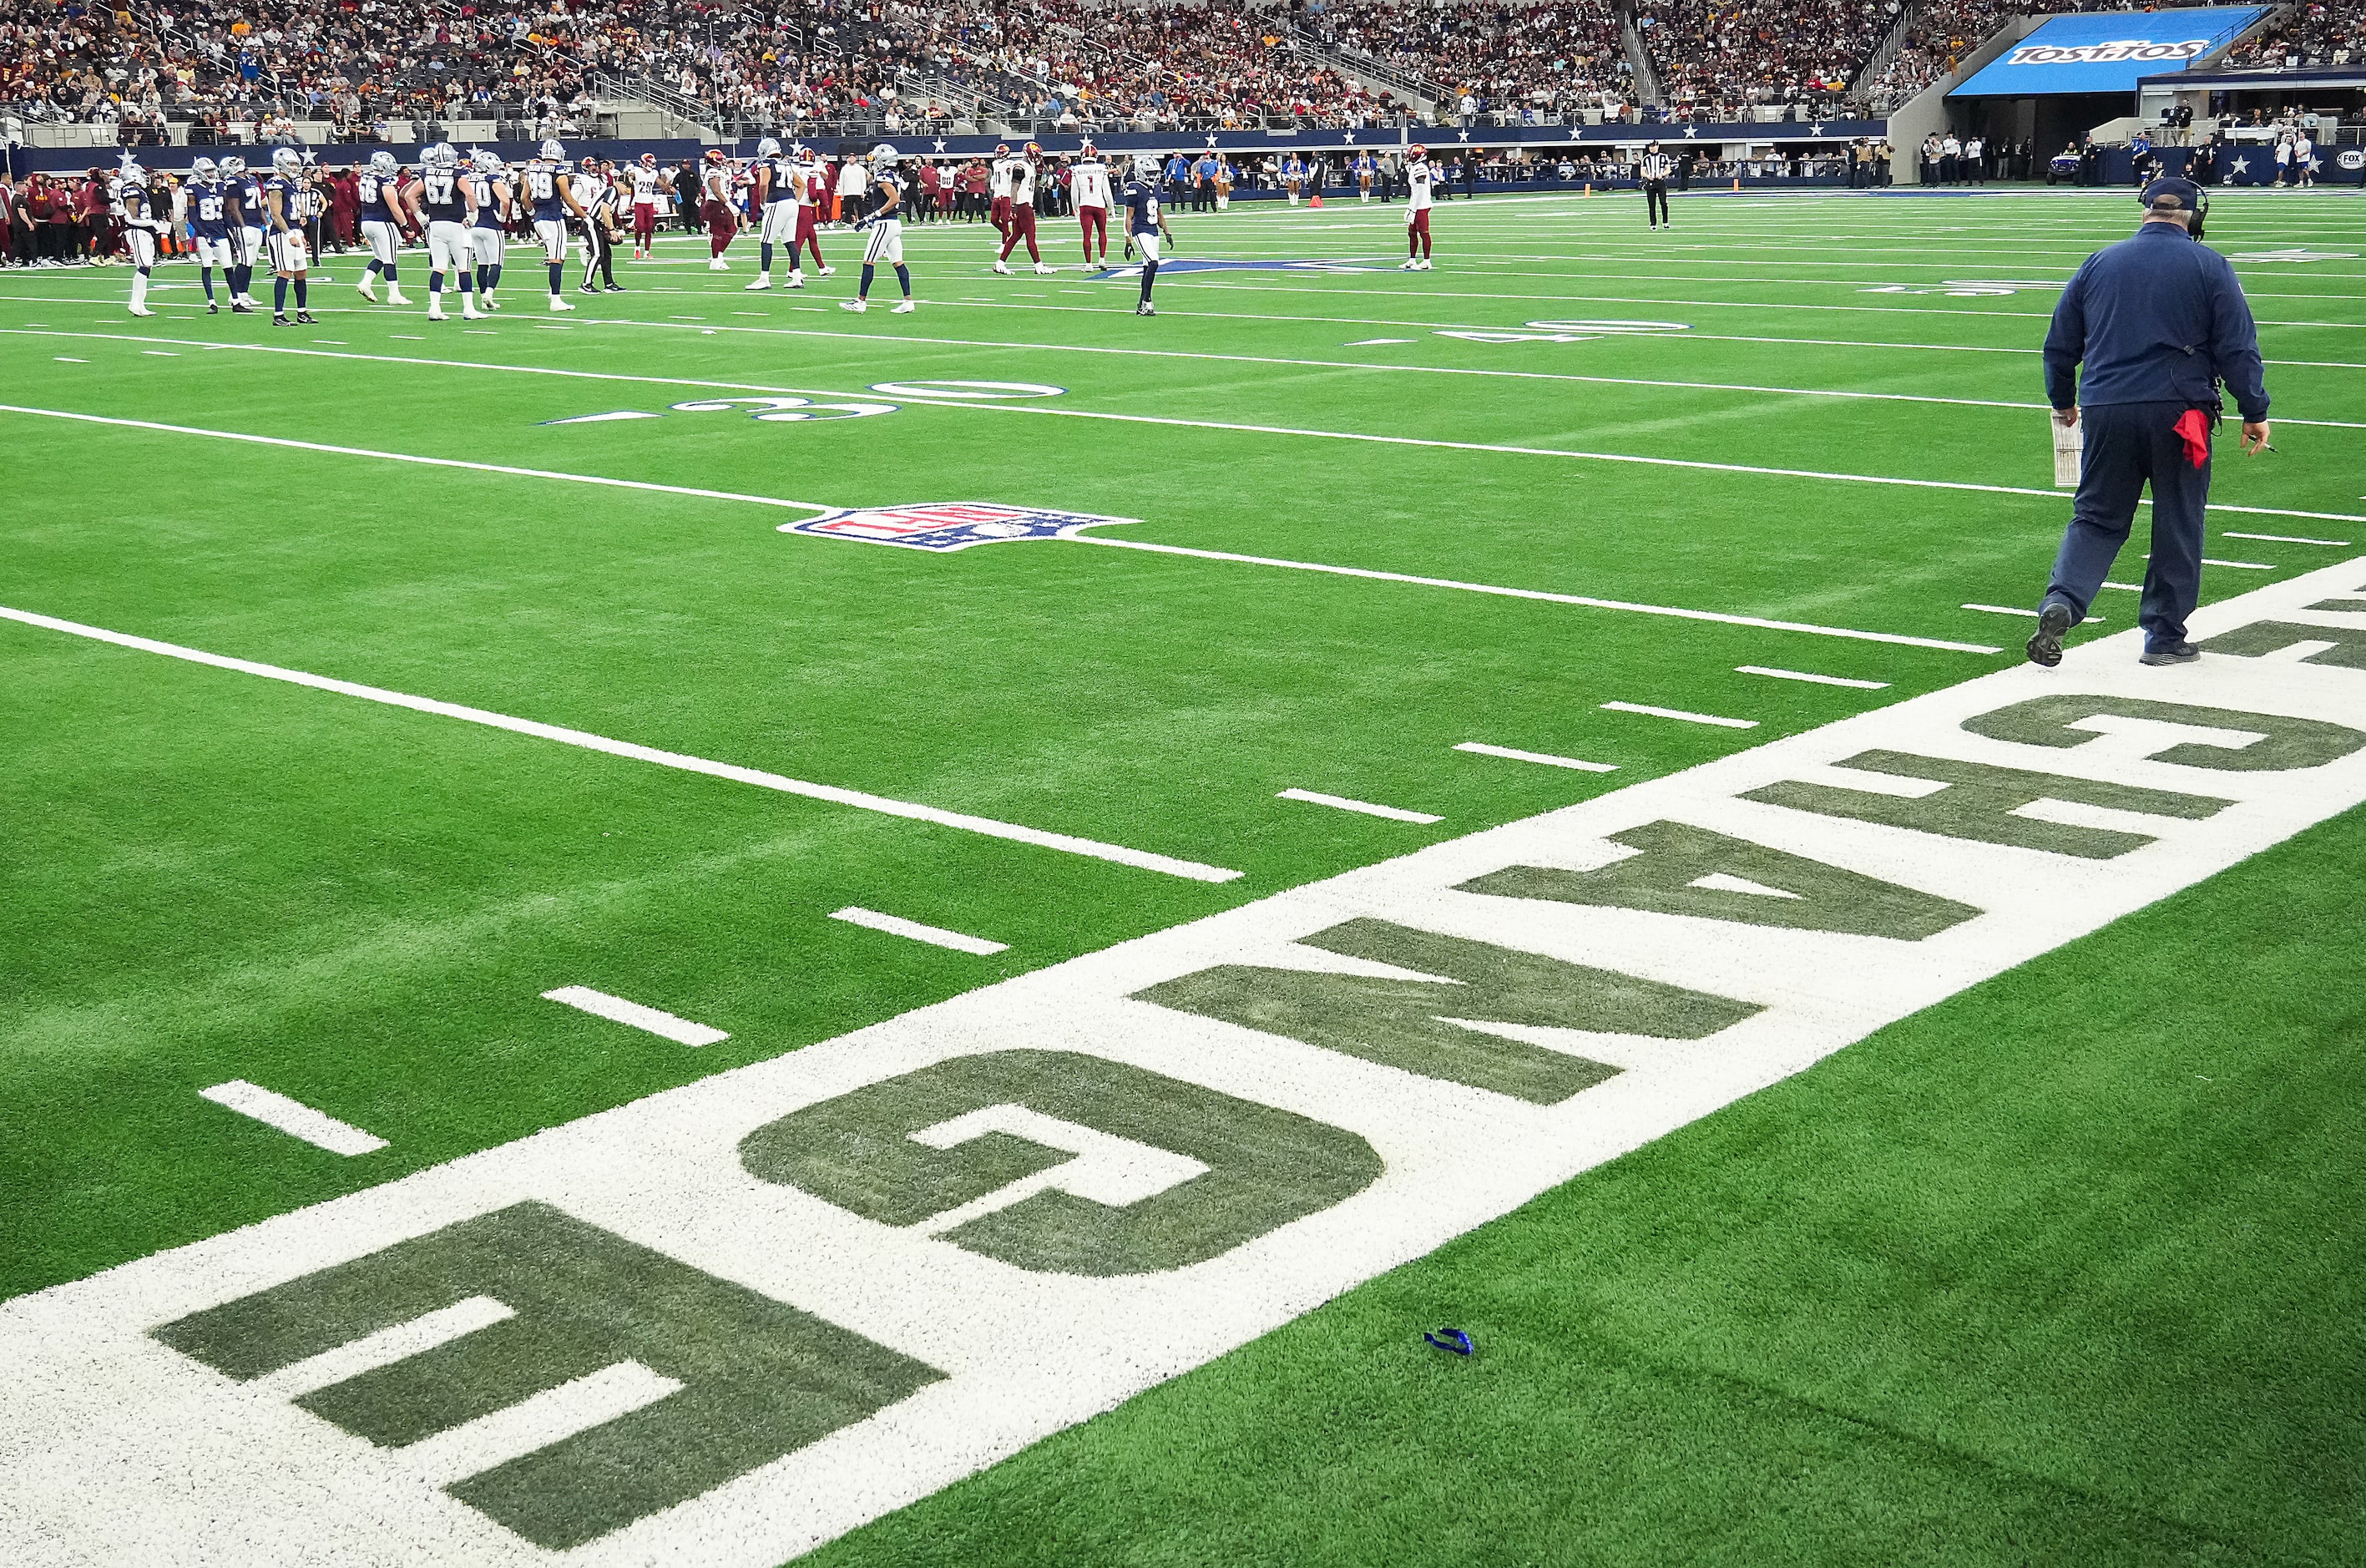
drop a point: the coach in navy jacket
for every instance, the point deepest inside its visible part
(2158, 322)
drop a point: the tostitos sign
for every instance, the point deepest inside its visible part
(2108, 51)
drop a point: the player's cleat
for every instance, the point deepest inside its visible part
(366, 291)
(905, 307)
(760, 284)
(826, 271)
(2052, 621)
(1413, 266)
(2175, 653)
(487, 302)
(719, 264)
(558, 304)
(212, 309)
(797, 280)
(141, 311)
(999, 267)
(437, 315)
(241, 308)
(304, 319)
(1040, 269)
(857, 306)
(394, 297)
(589, 288)
(279, 319)
(470, 313)
(1145, 308)
(612, 289)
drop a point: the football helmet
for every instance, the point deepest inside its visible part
(440, 158)
(1034, 150)
(487, 161)
(383, 165)
(1088, 150)
(286, 159)
(1145, 167)
(1418, 154)
(883, 158)
(649, 159)
(768, 148)
(203, 169)
(1002, 149)
(233, 165)
(554, 152)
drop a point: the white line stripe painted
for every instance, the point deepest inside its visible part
(1393, 813)
(294, 1118)
(1579, 599)
(896, 925)
(2032, 614)
(2126, 587)
(2242, 565)
(1679, 712)
(617, 1010)
(2286, 539)
(1803, 675)
(1482, 749)
(413, 458)
(987, 826)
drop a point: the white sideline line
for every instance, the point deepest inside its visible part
(1482, 749)
(1803, 675)
(2124, 587)
(896, 925)
(1117, 854)
(292, 1117)
(1680, 713)
(617, 1010)
(411, 457)
(2243, 564)
(1393, 813)
(1759, 621)
(2285, 539)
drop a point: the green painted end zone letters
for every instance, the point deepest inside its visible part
(760, 1379)
(2282, 742)
(1265, 1167)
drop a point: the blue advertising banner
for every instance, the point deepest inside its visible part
(2107, 52)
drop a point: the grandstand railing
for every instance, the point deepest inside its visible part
(1886, 51)
(1639, 59)
(608, 86)
(1349, 62)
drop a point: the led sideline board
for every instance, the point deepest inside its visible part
(2106, 52)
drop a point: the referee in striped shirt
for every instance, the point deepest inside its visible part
(1657, 167)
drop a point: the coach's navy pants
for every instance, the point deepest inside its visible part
(2128, 444)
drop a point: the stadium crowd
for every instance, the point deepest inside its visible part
(1716, 57)
(2314, 34)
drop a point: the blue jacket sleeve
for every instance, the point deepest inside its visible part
(2066, 342)
(2235, 344)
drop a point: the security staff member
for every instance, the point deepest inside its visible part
(1657, 167)
(2159, 322)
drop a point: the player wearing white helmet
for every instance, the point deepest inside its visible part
(780, 198)
(205, 207)
(714, 176)
(144, 222)
(550, 195)
(247, 214)
(885, 223)
(1024, 171)
(382, 226)
(285, 201)
(649, 182)
(997, 185)
(489, 232)
(1145, 226)
(1088, 183)
(440, 204)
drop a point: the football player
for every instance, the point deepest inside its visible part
(206, 209)
(885, 222)
(1145, 225)
(381, 231)
(1088, 182)
(779, 196)
(550, 195)
(144, 224)
(1419, 177)
(290, 262)
(817, 178)
(439, 204)
(714, 206)
(1025, 170)
(997, 184)
(649, 180)
(489, 234)
(247, 214)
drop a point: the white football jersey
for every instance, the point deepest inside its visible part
(644, 188)
(1088, 182)
(1023, 183)
(998, 179)
(1417, 181)
(809, 188)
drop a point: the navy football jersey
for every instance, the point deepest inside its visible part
(208, 210)
(489, 201)
(376, 194)
(290, 190)
(542, 178)
(883, 187)
(252, 212)
(784, 185)
(441, 197)
(1140, 208)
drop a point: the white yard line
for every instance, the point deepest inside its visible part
(2032, 614)
(1816, 680)
(986, 826)
(1579, 599)
(2286, 539)
(1687, 717)
(292, 1117)
(1393, 813)
(1479, 748)
(937, 936)
(617, 1010)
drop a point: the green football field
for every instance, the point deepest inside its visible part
(365, 682)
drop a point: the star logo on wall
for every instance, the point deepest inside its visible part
(941, 143)
(2242, 165)
(1465, 136)
(1348, 140)
(1691, 132)
(1815, 130)
(1212, 141)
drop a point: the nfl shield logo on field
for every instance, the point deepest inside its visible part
(947, 525)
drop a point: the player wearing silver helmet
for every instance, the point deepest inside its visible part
(885, 223)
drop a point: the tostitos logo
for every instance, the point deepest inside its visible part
(2102, 53)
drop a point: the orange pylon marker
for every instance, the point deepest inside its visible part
(1737, 184)
(1589, 187)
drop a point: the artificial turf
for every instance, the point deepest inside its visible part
(2019, 1279)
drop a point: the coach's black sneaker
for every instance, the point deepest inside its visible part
(2053, 620)
(279, 319)
(213, 308)
(306, 319)
(240, 307)
(2173, 653)
(615, 289)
